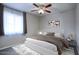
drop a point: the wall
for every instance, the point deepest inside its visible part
(77, 25)
(67, 22)
(32, 24)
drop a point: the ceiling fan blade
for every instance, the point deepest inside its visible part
(48, 11)
(35, 5)
(49, 5)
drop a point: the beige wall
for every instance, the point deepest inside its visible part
(67, 22)
(32, 24)
(36, 24)
(77, 25)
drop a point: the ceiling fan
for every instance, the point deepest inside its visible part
(42, 8)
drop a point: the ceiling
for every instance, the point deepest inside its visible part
(27, 7)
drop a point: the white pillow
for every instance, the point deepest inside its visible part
(42, 33)
(60, 35)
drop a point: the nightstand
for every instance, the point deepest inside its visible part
(73, 44)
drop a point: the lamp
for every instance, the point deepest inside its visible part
(70, 36)
(40, 33)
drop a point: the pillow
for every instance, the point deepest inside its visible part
(42, 33)
(50, 34)
(59, 35)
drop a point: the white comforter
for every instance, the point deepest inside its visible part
(36, 47)
(41, 47)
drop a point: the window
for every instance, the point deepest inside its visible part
(13, 22)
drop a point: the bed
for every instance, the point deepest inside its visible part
(55, 44)
(38, 45)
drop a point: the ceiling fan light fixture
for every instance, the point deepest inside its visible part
(41, 11)
(42, 8)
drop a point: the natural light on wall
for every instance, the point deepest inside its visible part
(13, 22)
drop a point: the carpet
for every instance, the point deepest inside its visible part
(23, 50)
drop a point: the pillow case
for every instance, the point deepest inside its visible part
(50, 34)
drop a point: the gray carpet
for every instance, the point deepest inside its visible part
(28, 51)
(8, 51)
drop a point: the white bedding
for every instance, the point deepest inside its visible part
(41, 47)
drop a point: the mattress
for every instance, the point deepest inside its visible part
(41, 47)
